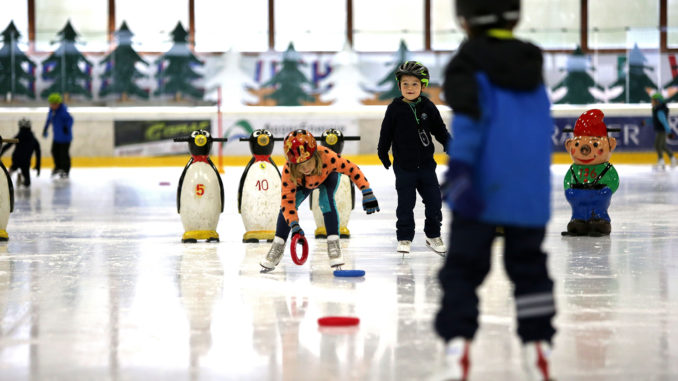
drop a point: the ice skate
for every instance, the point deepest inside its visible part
(404, 247)
(334, 251)
(535, 357)
(457, 363)
(274, 255)
(436, 244)
(660, 165)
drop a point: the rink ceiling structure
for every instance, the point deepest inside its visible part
(96, 285)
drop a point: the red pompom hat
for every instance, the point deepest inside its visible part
(590, 123)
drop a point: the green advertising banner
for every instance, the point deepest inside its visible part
(153, 138)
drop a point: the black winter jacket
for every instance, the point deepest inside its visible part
(409, 136)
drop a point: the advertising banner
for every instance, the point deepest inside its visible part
(280, 126)
(153, 138)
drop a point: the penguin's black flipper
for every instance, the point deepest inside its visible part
(275, 166)
(181, 182)
(242, 182)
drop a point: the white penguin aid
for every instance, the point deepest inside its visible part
(200, 193)
(259, 190)
(345, 195)
(6, 195)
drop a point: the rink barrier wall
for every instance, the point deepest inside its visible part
(93, 144)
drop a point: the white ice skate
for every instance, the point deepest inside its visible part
(436, 244)
(274, 255)
(457, 361)
(535, 356)
(660, 165)
(334, 251)
(404, 247)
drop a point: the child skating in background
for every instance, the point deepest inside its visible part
(660, 122)
(21, 157)
(308, 167)
(498, 175)
(406, 130)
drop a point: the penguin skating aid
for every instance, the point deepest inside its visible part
(259, 189)
(344, 194)
(200, 193)
(6, 196)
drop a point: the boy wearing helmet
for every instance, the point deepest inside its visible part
(498, 175)
(406, 130)
(62, 128)
(308, 167)
(21, 157)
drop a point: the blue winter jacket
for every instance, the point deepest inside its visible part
(62, 124)
(502, 128)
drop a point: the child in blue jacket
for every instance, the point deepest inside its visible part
(498, 175)
(62, 128)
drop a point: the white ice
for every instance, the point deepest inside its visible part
(95, 285)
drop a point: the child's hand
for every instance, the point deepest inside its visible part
(44, 133)
(458, 190)
(386, 163)
(296, 229)
(370, 203)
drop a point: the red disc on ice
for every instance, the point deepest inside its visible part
(338, 321)
(298, 238)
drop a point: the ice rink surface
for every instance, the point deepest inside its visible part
(95, 285)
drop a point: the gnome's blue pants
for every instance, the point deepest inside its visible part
(589, 204)
(327, 206)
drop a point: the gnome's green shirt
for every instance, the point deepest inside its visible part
(588, 173)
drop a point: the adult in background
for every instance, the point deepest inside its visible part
(62, 128)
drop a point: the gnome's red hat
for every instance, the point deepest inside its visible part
(590, 123)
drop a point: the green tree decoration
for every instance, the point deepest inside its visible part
(636, 85)
(175, 79)
(120, 72)
(63, 67)
(289, 80)
(401, 56)
(12, 72)
(577, 81)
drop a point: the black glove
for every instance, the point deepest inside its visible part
(44, 133)
(386, 163)
(370, 203)
(37, 171)
(458, 190)
(66, 130)
(672, 135)
(296, 229)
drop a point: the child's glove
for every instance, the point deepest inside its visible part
(458, 190)
(386, 163)
(296, 229)
(370, 203)
(66, 130)
(44, 133)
